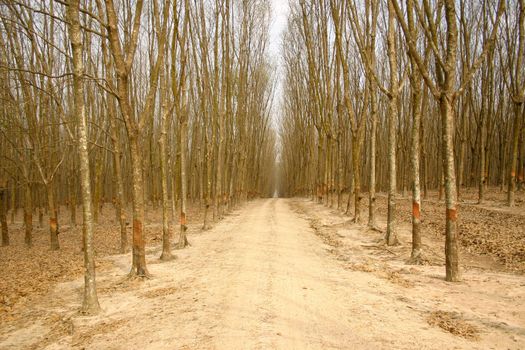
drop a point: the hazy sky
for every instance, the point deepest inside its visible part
(280, 11)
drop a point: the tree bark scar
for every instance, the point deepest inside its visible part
(415, 210)
(137, 228)
(183, 218)
(452, 214)
(53, 224)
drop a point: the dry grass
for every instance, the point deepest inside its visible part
(453, 323)
(105, 327)
(159, 292)
(395, 277)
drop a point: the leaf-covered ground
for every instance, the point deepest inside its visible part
(29, 273)
(491, 230)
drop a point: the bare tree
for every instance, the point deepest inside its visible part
(123, 57)
(517, 90)
(90, 301)
(445, 92)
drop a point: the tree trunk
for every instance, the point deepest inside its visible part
(391, 236)
(117, 165)
(462, 146)
(13, 202)
(138, 252)
(514, 155)
(482, 179)
(356, 152)
(175, 177)
(53, 220)
(99, 179)
(220, 195)
(72, 197)
(183, 241)
(3, 217)
(350, 192)
(319, 166)
(518, 99)
(451, 244)
(326, 164)
(482, 137)
(90, 303)
(28, 214)
(424, 162)
(372, 174)
(373, 126)
(166, 235)
(40, 216)
(417, 108)
(207, 177)
(340, 172)
(416, 187)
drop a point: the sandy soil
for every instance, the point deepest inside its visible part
(287, 274)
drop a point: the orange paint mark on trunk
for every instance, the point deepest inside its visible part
(53, 224)
(183, 218)
(452, 214)
(513, 174)
(137, 230)
(415, 210)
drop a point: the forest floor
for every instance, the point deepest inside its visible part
(277, 273)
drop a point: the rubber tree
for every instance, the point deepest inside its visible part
(90, 303)
(517, 90)
(123, 57)
(443, 88)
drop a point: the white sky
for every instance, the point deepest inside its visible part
(280, 9)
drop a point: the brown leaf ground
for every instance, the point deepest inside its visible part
(29, 273)
(490, 234)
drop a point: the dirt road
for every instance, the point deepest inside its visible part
(260, 279)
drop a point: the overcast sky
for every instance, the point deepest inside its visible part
(280, 11)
